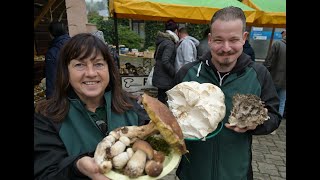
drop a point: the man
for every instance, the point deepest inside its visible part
(247, 48)
(165, 54)
(187, 49)
(276, 64)
(227, 156)
(203, 45)
(58, 31)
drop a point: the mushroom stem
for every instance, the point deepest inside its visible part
(137, 132)
(136, 164)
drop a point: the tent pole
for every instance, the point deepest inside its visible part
(116, 40)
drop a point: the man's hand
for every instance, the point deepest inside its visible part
(88, 167)
(240, 130)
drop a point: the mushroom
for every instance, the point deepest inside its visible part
(118, 147)
(153, 168)
(121, 159)
(108, 148)
(248, 110)
(135, 166)
(158, 156)
(162, 120)
(100, 155)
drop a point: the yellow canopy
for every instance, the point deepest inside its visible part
(268, 13)
(192, 11)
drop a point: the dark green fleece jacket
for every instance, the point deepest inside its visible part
(227, 156)
(57, 146)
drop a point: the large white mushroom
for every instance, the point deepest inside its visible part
(198, 107)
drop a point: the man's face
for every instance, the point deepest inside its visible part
(284, 34)
(181, 35)
(226, 41)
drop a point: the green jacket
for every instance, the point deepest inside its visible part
(57, 146)
(79, 131)
(227, 156)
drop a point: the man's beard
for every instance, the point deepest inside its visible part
(225, 63)
(227, 60)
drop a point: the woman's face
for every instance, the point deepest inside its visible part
(89, 78)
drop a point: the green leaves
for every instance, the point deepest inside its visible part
(129, 38)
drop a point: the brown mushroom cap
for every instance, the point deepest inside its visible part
(165, 122)
(143, 146)
(158, 156)
(153, 168)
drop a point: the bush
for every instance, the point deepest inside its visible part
(129, 38)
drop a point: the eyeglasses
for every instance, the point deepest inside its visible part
(102, 126)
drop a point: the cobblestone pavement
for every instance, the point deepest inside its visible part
(269, 156)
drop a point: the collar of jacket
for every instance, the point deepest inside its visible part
(165, 36)
(60, 38)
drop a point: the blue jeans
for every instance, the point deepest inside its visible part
(282, 96)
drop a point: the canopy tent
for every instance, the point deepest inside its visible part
(271, 13)
(192, 11)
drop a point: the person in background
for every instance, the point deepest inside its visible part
(247, 48)
(228, 155)
(113, 50)
(203, 46)
(276, 64)
(58, 32)
(87, 103)
(165, 56)
(187, 49)
(99, 34)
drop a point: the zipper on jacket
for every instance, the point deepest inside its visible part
(221, 78)
(92, 120)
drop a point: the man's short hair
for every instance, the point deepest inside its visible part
(183, 30)
(57, 28)
(229, 13)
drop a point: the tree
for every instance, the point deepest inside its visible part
(127, 37)
(151, 30)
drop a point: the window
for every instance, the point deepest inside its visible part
(139, 28)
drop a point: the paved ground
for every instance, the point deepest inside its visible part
(269, 156)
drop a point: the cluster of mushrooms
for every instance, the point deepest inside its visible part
(247, 110)
(115, 152)
(126, 150)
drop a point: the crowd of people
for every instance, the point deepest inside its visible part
(87, 101)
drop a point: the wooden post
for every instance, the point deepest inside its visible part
(43, 12)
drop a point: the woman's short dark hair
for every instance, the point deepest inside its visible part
(82, 46)
(57, 28)
(171, 25)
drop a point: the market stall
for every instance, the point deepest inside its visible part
(134, 71)
(197, 12)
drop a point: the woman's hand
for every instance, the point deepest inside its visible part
(240, 130)
(88, 167)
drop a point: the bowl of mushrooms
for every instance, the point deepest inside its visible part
(125, 152)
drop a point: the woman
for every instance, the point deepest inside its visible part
(165, 56)
(87, 104)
